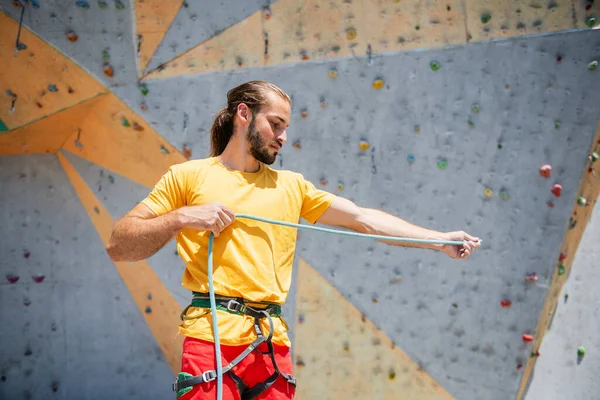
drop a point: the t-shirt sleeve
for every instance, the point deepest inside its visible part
(169, 192)
(315, 201)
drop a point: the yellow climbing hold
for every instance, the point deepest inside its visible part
(364, 145)
(488, 193)
(340, 186)
(333, 73)
(378, 84)
(351, 33)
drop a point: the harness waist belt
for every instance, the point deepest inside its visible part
(235, 305)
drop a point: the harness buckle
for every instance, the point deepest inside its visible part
(208, 376)
(235, 306)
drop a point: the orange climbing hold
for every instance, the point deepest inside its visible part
(108, 71)
(506, 303)
(527, 338)
(72, 36)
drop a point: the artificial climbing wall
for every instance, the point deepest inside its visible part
(455, 115)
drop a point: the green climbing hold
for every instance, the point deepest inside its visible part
(593, 65)
(581, 351)
(442, 164)
(503, 194)
(102, 4)
(105, 55)
(144, 90)
(471, 124)
(119, 5)
(475, 108)
(3, 127)
(595, 157)
(485, 17)
(561, 269)
(581, 201)
(435, 65)
(557, 125)
(591, 21)
(125, 123)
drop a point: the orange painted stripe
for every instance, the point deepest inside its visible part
(153, 19)
(136, 152)
(337, 349)
(30, 76)
(589, 188)
(46, 135)
(138, 276)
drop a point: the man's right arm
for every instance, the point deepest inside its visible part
(140, 233)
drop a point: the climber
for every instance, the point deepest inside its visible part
(252, 260)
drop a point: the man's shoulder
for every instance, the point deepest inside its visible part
(285, 174)
(192, 165)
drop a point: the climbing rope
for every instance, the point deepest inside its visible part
(211, 290)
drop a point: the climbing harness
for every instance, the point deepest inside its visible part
(185, 381)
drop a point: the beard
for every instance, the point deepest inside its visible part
(258, 148)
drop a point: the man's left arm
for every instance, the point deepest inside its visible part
(344, 213)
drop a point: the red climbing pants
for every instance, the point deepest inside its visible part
(199, 356)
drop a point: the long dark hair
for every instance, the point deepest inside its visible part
(253, 94)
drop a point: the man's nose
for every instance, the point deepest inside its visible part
(283, 136)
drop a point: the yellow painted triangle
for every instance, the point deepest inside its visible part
(38, 81)
(113, 136)
(153, 19)
(342, 355)
(48, 134)
(163, 318)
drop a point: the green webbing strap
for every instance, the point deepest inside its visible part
(274, 310)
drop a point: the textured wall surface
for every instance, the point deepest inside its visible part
(77, 333)
(450, 135)
(561, 372)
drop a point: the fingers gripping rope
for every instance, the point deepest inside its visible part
(270, 221)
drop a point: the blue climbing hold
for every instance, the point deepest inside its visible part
(411, 158)
(82, 4)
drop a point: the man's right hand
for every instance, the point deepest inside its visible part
(214, 217)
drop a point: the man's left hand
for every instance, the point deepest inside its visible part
(470, 243)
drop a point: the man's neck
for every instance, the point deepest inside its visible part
(235, 156)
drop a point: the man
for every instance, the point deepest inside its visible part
(252, 259)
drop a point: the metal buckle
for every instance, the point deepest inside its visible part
(235, 306)
(207, 376)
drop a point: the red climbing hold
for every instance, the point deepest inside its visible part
(38, 278)
(562, 256)
(558, 58)
(532, 277)
(545, 171)
(26, 254)
(550, 204)
(527, 338)
(12, 278)
(557, 190)
(506, 303)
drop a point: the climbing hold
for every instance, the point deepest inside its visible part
(505, 303)
(304, 114)
(119, 5)
(488, 193)
(297, 144)
(340, 186)
(346, 346)
(26, 253)
(581, 201)
(3, 127)
(108, 71)
(545, 171)
(593, 65)
(149, 297)
(26, 302)
(442, 164)
(558, 58)
(111, 179)
(324, 182)
(187, 152)
(164, 150)
(52, 88)
(105, 55)
(434, 65)
(391, 375)
(96, 210)
(351, 34)
(143, 106)
(566, 296)
(557, 124)
(72, 36)
(378, 84)
(556, 190)
(102, 4)
(11, 278)
(333, 73)
(533, 355)
(581, 351)
(144, 90)
(125, 122)
(475, 108)
(591, 21)
(364, 145)
(562, 257)
(531, 277)
(504, 194)
(82, 4)
(410, 158)
(471, 124)
(304, 55)
(148, 310)
(561, 269)
(527, 338)
(137, 127)
(485, 17)
(301, 318)
(594, 157)
(38, 278)
(300, 362)
(267, 13)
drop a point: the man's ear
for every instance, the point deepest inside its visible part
(244, 113)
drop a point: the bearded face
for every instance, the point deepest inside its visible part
(260, 150)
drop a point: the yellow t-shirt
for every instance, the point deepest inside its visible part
(251, 259)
